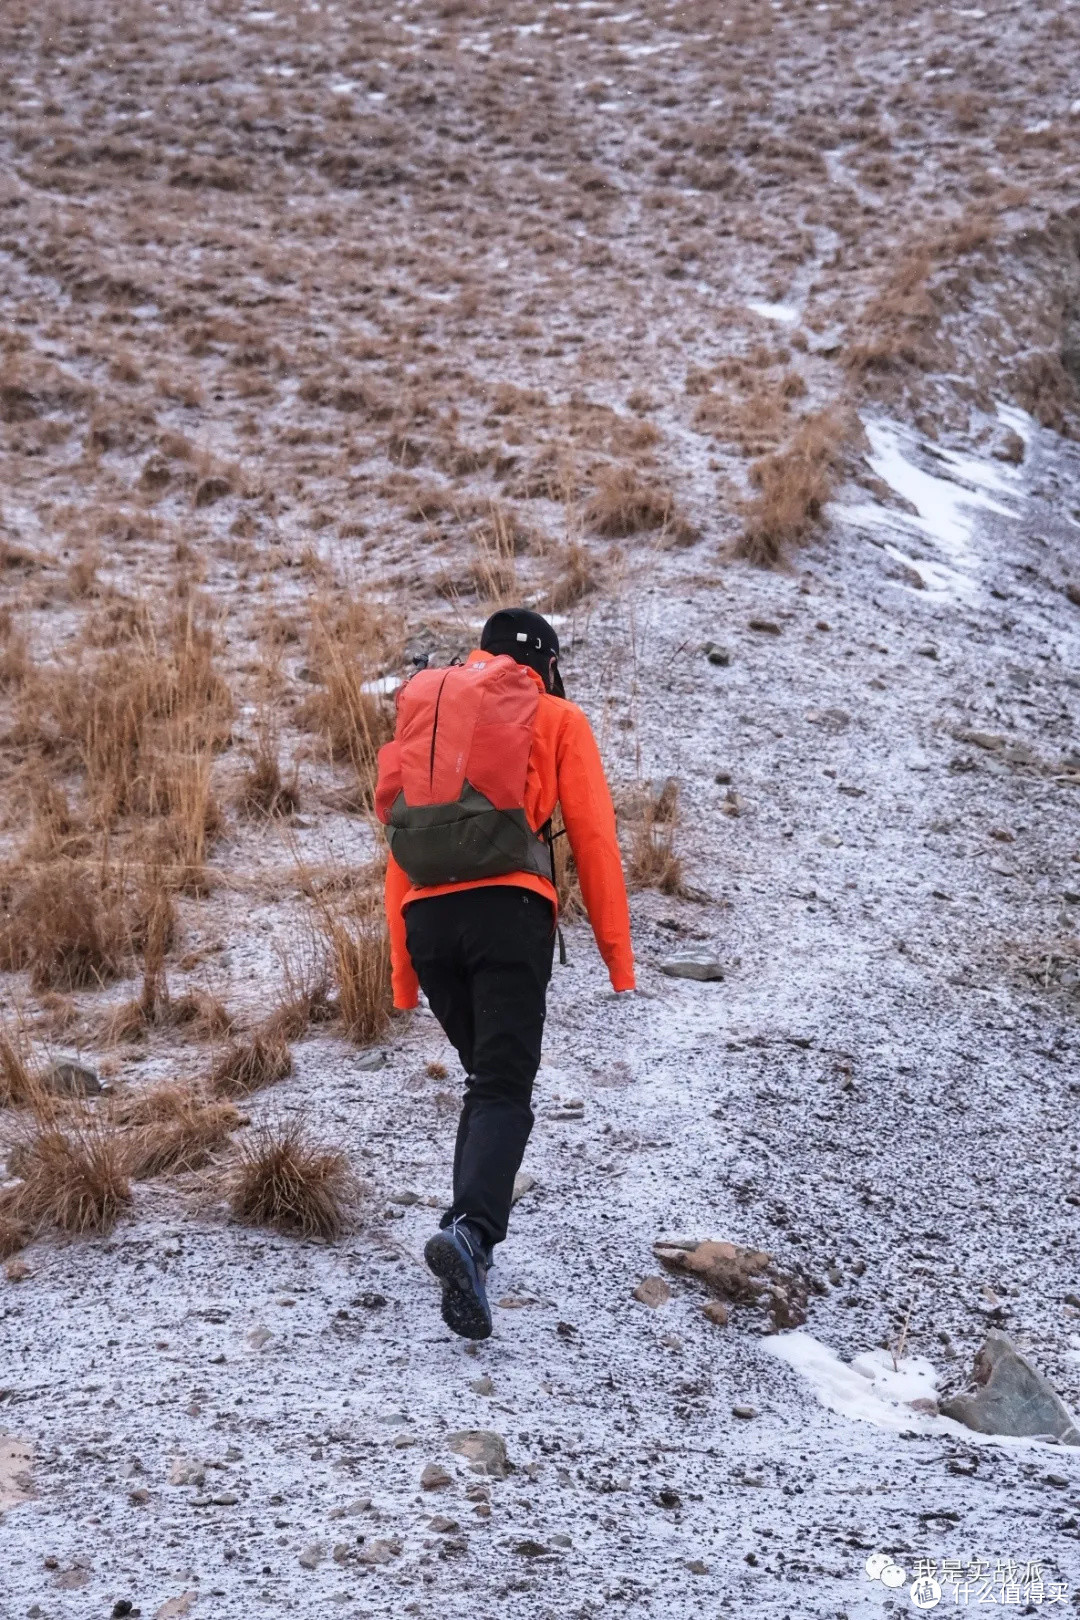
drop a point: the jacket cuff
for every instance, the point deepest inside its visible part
(623, 979)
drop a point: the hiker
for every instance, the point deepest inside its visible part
(482, 754)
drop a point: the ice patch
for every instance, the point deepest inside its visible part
(1020, 422)
(383, 686)
(774, 312)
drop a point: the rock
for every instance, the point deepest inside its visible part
(568, 1110)
(443, 1526)
(350, 1510)
(716, 1312)
(484, 1450)
(929, 651)
(720, 656)
(312, 1556)
(722, 778)
(523, 1183)
(434, 1477)
(368, 1061)
(406, 1197)
(369, 1301)
(122, 1608)
(139, 1497)
(258, 1337)
(173, 1608)
(741, 1276)
(1010, 1397)
(653, 1291)
(17, 1271)
(482, 1386)
(744, 1411)
(561, 1540)
(342, 1552)
(767, 627)
(698, 1566)
(186, 1471)
(531, 1549)
(226, 1499)
(704, 968)
(379, 1552)
(67, 1077)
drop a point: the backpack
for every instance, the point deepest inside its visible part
(451, 785)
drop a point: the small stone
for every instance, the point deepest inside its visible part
(186, 1471)
(482, 1386)
(653, 1291)
(312, 1556)
(258, 1337)
(443, 1526)
(722, 778)
(17, 1271)
(719, 656)
(523, 1183)
(716, 1312)
(350, 1510)
(566, 1111)
(703, 968)
(379, 1552)
(369, 1301)
(434, 1477)
(139, 1497)
(342, 1552)
(226, 1499)
(406, 1197)
(741, 1411)
(174, 1608)
(122, 1608)
(767, 627)
(929, 651)
(484, 1450)
(370, 1061)
(698, 1566)
(531, 1549)
(67, 1077)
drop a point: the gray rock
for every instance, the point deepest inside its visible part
(1010, 1397)
(187, 1471)
(312, 1556)
(67, 1077)
(720, 656)
(379, 1552)
(434, 1477)
(523, 1183)
(484, 1450)
(371, 1060)
(692, 967)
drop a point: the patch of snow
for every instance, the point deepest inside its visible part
(383, 686)
(1020, 421)
(773, 312)
(943, 509)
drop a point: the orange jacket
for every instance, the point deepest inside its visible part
(565, 769)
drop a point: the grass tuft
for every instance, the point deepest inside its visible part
(285, 1180)
(248, 1066)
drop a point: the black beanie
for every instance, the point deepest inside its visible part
(527, 638)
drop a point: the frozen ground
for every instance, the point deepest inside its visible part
(872, 1090)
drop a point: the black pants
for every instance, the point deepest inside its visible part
(483, 957)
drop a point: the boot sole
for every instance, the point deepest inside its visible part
(462, 1311)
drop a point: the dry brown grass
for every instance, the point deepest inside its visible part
(15, 1234)
(793, 486)
(353, 723)
(72, 1174)
(172, 1128)
(264, 792)
(623, 504)
(248, 1066)
(577, 579)
(19, 1083)
(652, 862)
(69, 925)
(285, 1180)
(360, 953)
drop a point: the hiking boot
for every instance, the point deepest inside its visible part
(458, 1257)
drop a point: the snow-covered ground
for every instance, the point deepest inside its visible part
(872, 1090)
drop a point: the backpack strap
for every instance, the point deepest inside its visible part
(549, 837)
